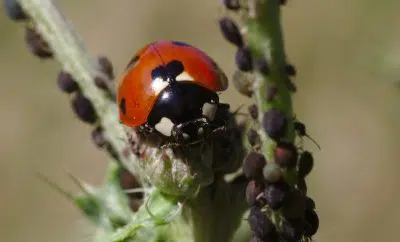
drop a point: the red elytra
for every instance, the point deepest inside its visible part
(136, 92)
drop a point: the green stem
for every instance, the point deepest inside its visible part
(266, 41)
(217, 212)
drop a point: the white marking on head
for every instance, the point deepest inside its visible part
(200, 131)
(158, 84)
(209, 110)
(185, 136)
(184, 76)
(165, 126)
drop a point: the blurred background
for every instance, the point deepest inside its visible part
(347, 57)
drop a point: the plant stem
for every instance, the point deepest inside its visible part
(70, 51)
(266, 41)
(217, 211)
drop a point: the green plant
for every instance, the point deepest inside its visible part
(196, 200)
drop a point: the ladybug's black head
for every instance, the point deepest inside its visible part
(184, 112)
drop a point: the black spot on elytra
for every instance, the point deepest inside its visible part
(159, 72)
(122, 106)
(179, 43)
(132, 62)
(171, 70)
(175, 68)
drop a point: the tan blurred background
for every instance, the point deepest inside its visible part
(347, 56)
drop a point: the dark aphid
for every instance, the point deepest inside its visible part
(312, 222)
(275, 194)
(302, 132)
(101, 83)
(243, 83)
(111, 151)
(302, 185)
(272, 91)
(98, 137)
(253, 190)
(310, 204)
(272, 173)
(295, 204)
(106, 67)
(243, 59)
(261, 225)
(253, 165)
(230, 31)
(36, 44)
(232, 4)
(290, 70)
(253, 137)
(253, 111)
(135, 204)
(283, 2)
(306, 163)
(84, 109)
(66, 82)
(274, 123)
(14, 10)
(291, 232)
(128, 181)
(262, 66)
(285, 154)
(290, 85)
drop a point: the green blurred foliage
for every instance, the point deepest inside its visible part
(346, 54)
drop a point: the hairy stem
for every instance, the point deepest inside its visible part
(266, 41)
(70, 51)
(217, 212)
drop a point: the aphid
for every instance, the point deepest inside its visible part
(312, 222)
(272, 91)
(274, 123)
(243, 59)
(295, 205)
(36, 44)
(301, 131)
(253, 137)
(253, 165)
(100, 83)
(285, 155)
(306, 163)
(253, 111)
(66, 82)
(261, 225)
(84, 109)
(98, 137)
(230, 31)
(232, 4)
(275, 195)
(290, 70)
(14, 10)
(272, 173)
(253, 190)
(262, 66)
(291, 231)
(243, 82)
(106, 67)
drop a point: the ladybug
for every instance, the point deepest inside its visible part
(171, 88)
